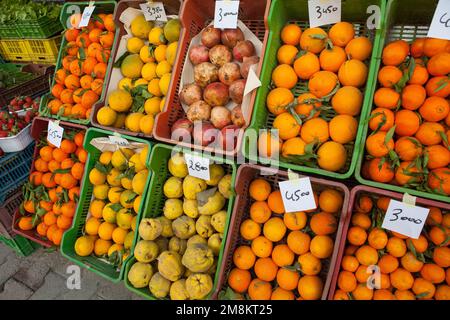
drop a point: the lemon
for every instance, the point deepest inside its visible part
(135, 161)
(140, 27)
(126, 183)
(91, 226)
(105, 158)
(96, 177)
(96, 208)
(124, 218)
(143, 154)
(114, 248)
(148, 71)
(147, 54)
(171, 52)
(101, 191)
(106, 116)
(120, 121)
(156, 36)
(114, 194)
(125, 83)
(141, 82)
(108, 214)
(134, 223)
(139, 181)
(137, 204)
(84, 246)
(146, 124)
(151, 105)
(162, 104)
(153, 87)
(131, 66)
(164, 83)
(112, 177)
(162, 68)
(127, 198)
(120, 157)
(134, 44)
(177, 166)
(172, 30)
(129, 240)
(160, 52)
(132, 121)
(120, 100)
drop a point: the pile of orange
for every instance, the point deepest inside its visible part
(408, 144)
(284, 256)
(409, 268)
(317, 95)
(79, 81)
(51, 195)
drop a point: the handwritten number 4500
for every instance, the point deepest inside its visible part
(397, 212)
(322, 11)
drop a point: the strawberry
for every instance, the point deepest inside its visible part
(28, 100)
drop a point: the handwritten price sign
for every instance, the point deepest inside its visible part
(154, 11)
(54, 133)
(440, 25)
(226, 14)
(405, 218)
(87, 13)
(197, 166)
(323, 12)
(297, 195)
(121, 142)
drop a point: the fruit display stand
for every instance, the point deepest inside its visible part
(154, 205)
(99, 266)
(296, 12)
(107, 7)
(21, 245)
(246, 174)
(408, 27)
(172, 7)
(374, 193)
(196, 15)
(39, 132)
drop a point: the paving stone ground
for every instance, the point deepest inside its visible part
(43, 276)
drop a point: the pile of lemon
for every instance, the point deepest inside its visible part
(118, 179)
(146, 70)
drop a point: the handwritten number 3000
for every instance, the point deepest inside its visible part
(396, 212)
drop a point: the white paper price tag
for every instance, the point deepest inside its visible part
(226, 14)
(440, 25)
(297, 195)
(119, 141)
(54, 133)
(253, 81)
(405, 219)
(197, 166)
(87, 13)
(154, 11)
(323, 12)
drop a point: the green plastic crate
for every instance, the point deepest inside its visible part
(9, 31)
(407, 25)
(296, 11)
(93, 263)
(67, 10)
(41, 28)
(20, 245)
(154, 204)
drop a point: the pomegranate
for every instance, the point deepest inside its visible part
(205, 73)
(247, 62)
(243, 49)
(219, 55)
(198, 54)
(216, 94)
(211, 36)
(237, 117)
(182, 130)
(229, 73)
(199, 110)
(191, 93)
(205, 134)
(236, 90)
(228, 137)
(220, 117)
(230, 37)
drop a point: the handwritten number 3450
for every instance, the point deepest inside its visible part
(397, 212)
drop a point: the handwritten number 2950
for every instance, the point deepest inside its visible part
(397, 212)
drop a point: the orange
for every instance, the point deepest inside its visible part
(322, 83)
(413, 96)
(367, 255)
(341, 295)
(434, 217)
(97, 86)
(281, 294)
(377, 144)
(404, 295)
(286, 54)
(259, 189)
(408, 148)
(362, 274)
(439, 64)
(383, 294)
(417, 47)
(395, 52)
(109, 23)
(407, 123)
(433, 46)
(53, 165)
(322, 246)
(381, 172)
(282, 255)
(439, 180)
(57, 236)
(260, 212)
(50, 218)
(244, 258)
(362, 292)
(250, 229)
(308, 105)
(275, 202)
(330, 200)
(41, 165)
(266, 269)
(356, 236)
(262, 247)
(323, 223)
(353, 73)
(396, 247)
(63, 222)
(359, 48)
(107, 39)
(290, 34)
(48, 180)
(350, 263)
(287, 279)
(407, 173)
(313, 40)
(433, 273)
(388, 76)
(401, 279)
(293, 146)
(295, 220)
(26, 223)
(287, 126)
(377, 238)
(298, 242)
(41, 229)
(346, 281)
(383, 203)
(71, 34)
(434, 109)
(82, 156)
(381, 119)
(343, 128)
(347, 100)
(100, 70)
(68, 209)
(438, 86)
(310, 287)
(442, 293)
(269, 145)
(386, 98)
(46, 153)
(438, 156)
(419, 75)
(259, 290)
(331, 156)
(94, 34)
(341, 33)
(284, 76)
(423, 288)
(278, 99)
(72, 82)
(36, 178)
(306, 65)
(438, 235)
(428, 133)
(274, 229)
(331, 59)
(315, 130)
